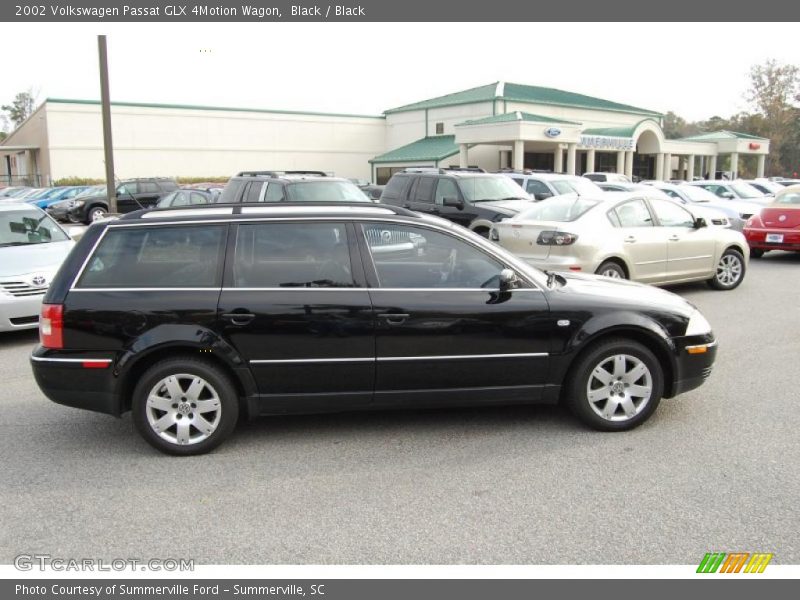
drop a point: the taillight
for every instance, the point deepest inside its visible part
(556, 238)
(754, 221)
(51, 326)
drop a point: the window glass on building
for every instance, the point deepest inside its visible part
(277, 255)
(439, 128)
(154, 257)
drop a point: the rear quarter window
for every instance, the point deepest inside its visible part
(396, 187)
(155, 257)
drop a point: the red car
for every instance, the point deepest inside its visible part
(778, 225)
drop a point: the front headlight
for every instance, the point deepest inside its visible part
(698, 325)
(76, 203)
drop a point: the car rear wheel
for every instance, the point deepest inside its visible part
(615, 386)
(729, 272)
(95, 214)
(185, 406)
(611, 269)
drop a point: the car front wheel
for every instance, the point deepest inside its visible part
(185, 406)
(95, 214)
(729, 272)
(615, 386)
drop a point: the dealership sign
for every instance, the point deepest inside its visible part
(605, 141)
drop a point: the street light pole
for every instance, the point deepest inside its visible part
(106, 109)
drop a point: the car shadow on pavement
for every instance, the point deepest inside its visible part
(18, 338)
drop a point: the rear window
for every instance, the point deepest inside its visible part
(558, 208)
(154, 257)
(395, 187)
(326, 191)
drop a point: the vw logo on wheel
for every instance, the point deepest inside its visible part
(38, 280)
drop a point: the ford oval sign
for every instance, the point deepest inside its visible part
(552, 132)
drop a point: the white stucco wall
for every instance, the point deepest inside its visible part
(164, 141)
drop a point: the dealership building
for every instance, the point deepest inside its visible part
(495, 126)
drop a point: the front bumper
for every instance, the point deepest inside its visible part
(76, 379)
(757, 239)
(695, 360)
(19, 312)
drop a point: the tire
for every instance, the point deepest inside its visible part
(95, 213)
(756, 252)
(729, 272)
(179, 427)
(612, 406)
(611, 269)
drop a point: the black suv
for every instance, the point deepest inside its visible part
(195, 318)
(469, 196)
(132, 194)
(290, 186)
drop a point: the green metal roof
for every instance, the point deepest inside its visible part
(428, 148)
(200, 107)
(516, 92)
(518, 116)
(723, 134)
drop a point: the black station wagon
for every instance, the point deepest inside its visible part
(193, 318)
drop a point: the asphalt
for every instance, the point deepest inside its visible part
(714, 470)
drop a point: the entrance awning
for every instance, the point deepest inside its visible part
(433, 148)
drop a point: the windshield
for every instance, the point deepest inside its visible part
(745, 190)
(327, 191)
(579, 185)
(500, 187)
(697, 194)
(558, 208)
(23, 227)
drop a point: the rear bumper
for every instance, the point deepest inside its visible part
(757, 238)
(76, 380)
(695, 360)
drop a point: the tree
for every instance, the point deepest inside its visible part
(21, 108)
(3, 127)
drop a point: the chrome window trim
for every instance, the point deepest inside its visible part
(147, 289)
(310, 360)
(398, 358)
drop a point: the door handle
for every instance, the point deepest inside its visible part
(674, 238)
(394, 318)
(239, 318)
(630, 239)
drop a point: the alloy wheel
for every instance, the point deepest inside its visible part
(183, 409)
(619, 387)
(729, 270)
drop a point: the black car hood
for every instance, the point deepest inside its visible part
(624, 293)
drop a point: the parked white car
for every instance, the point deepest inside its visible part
(598, 177)
(32, 248)
(541, 186)
(625, 235)
(733, 190)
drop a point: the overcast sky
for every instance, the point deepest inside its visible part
(695, 70)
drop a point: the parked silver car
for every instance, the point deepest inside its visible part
(32, 248)
(626, 235)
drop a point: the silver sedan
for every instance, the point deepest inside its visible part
(628, 235)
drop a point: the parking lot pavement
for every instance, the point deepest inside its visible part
(714, 470)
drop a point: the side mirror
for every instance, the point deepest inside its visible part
(453, 202)
(700, 222)
(728, 195)
(543, 195)
(508, 279)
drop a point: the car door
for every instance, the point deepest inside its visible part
(148, 193)
(420, 195)
(126, 197)
(447, 189)
(690, 249)
(643, 244)
(445, 332)
(295, 307)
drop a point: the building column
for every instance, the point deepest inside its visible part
(558, 159)
(571, 152)
(629, 164)
(690, 168)
(712, 166)
(734, 165)
(621, 162)
(667, 166)
(519, 155)
(659, 174)
(463, 155)
(590, 160)
(760, 168)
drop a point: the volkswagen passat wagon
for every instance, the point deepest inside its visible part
(195, 318)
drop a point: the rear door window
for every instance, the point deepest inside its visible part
(286, 255)
(633, 214)
(424, 190)
(157, 257)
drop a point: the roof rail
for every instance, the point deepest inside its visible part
(470, 169)
(236, 208)
(280, 173)
(442, 170)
